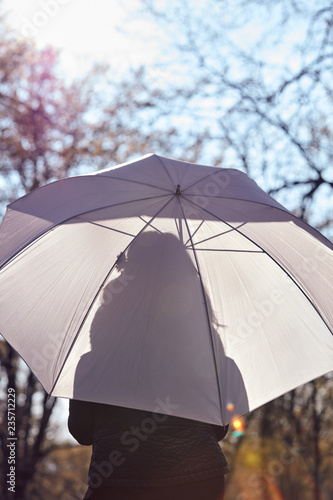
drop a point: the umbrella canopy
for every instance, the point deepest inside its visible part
(164, 285)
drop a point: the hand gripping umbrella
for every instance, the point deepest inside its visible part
(164, 281)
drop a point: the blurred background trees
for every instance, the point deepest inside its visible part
(243, 84)
(257, 84)
(50, 129)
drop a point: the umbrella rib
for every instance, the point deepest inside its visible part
(41, 235)
(98, 291)
(149, 224)
(270, 256)
(207, 313)
(115, 205)
(109, 228)
(229, 250)
(197, 229)
(322, 238)
(215, 236)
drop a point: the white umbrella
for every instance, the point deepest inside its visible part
(161, 284)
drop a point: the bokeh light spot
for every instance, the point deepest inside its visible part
(238, 424)
(230, 407)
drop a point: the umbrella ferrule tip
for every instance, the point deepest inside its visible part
(178, 189)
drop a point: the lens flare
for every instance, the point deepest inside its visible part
(230, 407)
(238, 424)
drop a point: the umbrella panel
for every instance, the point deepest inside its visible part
(227, 306)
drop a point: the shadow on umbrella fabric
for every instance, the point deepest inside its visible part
(154, 341)
(222, 298)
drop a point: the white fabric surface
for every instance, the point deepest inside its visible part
(220, 296)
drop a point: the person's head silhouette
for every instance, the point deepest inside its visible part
(155, 332)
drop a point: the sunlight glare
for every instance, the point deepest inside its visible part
(86, 31)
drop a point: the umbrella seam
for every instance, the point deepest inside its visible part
(270, 256)
(233, 198)
(131, 180)
(218, 169)
(208, 317)
(97, 294)
(83, 176)
(165, 168)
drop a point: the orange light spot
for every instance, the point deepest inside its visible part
(238, 424)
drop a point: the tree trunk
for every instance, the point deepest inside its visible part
(316, 434)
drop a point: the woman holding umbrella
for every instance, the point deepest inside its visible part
(140, 454)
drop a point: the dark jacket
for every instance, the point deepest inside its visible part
(140, 448)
